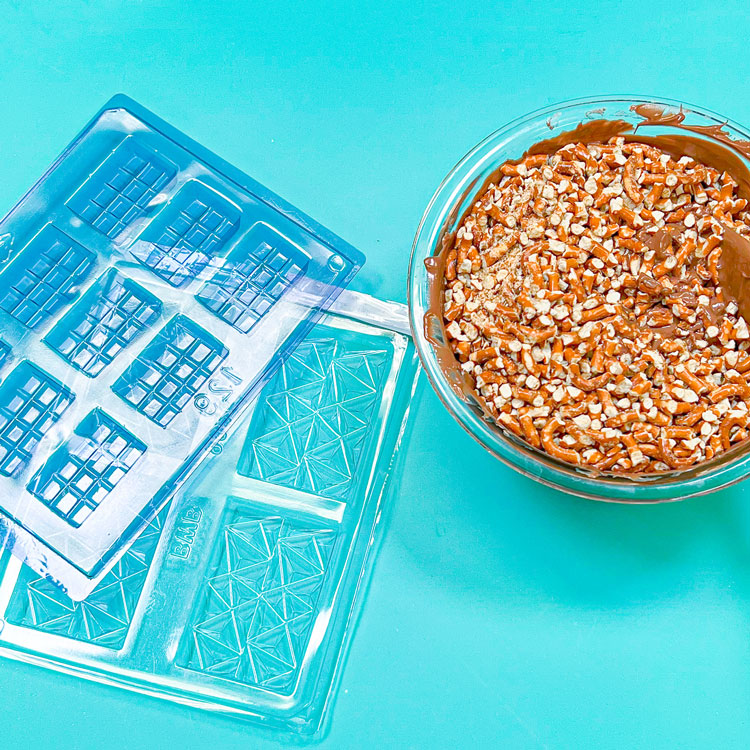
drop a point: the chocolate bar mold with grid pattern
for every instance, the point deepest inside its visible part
(268, 558)
(155, 289)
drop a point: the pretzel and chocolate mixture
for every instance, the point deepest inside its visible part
(582, 297)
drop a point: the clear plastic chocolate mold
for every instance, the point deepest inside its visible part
(148, 290)
(241, 594)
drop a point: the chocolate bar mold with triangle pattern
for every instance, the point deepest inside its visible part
(148, 290)
(240, 596)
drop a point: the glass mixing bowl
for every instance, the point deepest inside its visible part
(445, 211)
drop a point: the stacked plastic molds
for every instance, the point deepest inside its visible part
(240, 595)
(147, 291)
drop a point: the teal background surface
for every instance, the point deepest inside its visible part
(500, 614)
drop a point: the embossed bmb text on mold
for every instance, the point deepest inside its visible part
(185, 532)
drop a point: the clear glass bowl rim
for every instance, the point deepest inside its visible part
(669, 486)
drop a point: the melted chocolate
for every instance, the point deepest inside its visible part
(719, 150)
(734, 270)
(433, 326)
(711, 145)
(716, 149)
(660, 242)
(594, 131)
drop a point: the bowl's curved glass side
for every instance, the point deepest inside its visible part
(443, 214)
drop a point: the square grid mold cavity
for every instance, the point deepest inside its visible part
(122, 188)
(170, 370)
(31, 402)
(110, 299)
(111, 315)
(188, 234)
(254, 279)
(272, 564)
(44, 277)
(82, 472)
